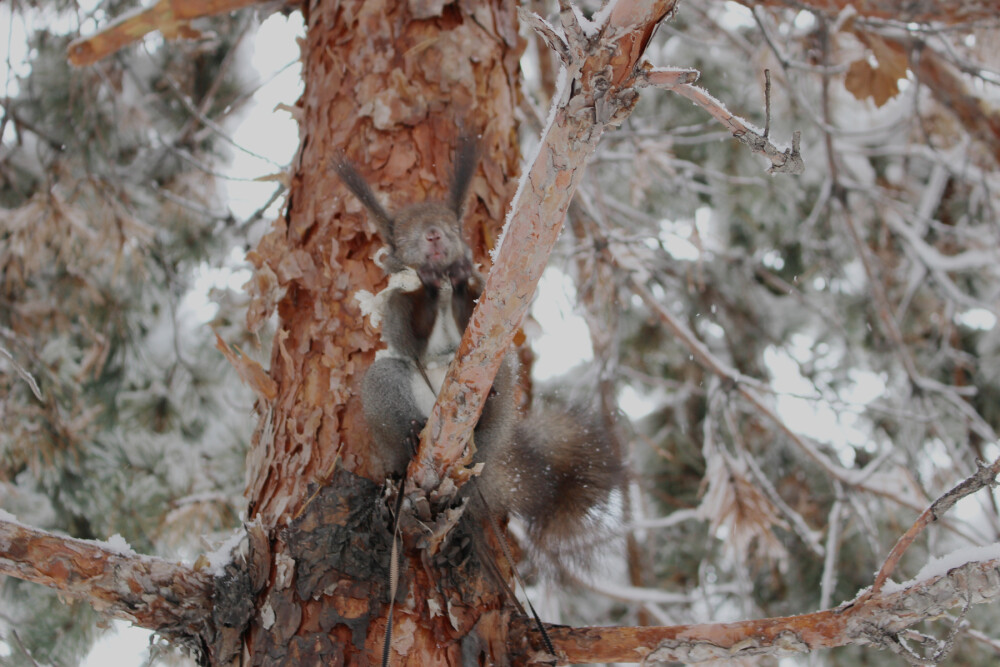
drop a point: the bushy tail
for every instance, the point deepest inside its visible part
(558, 474)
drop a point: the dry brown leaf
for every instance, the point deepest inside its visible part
(731, 500)
(881, 83)
(865, 81)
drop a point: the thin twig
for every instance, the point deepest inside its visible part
(983, 477)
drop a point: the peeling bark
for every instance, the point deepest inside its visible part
(393, 86)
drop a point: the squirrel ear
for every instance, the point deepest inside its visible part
(356, 183)
(464, 167)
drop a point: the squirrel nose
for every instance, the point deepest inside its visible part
(433, 234)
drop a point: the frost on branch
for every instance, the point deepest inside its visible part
(203, 610)
(875, 621)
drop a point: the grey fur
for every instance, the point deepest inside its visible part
(556, 469)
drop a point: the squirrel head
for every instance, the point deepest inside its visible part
(426, 237)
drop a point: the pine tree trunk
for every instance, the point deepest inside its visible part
(392, 85)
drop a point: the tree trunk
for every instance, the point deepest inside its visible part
(392, 85)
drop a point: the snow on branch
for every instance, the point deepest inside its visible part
(150, 592)
(877, 617)
(983, 477)
(596, 91)
(873, 620)
(204, 609)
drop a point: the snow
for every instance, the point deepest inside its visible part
(373, 305)
(124, 645)
(117, 544)
(589, 28)
(600, 17)
(223, 554)
(564, 340)
(937, 567)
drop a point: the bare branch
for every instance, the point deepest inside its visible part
(787, 161)
(983, 477)
(548, 34)
(875, 620)
(170, 17)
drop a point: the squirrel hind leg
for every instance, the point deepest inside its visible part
(391, 412)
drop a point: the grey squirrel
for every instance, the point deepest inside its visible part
(555, 470)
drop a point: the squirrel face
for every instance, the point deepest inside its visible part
(427, 238)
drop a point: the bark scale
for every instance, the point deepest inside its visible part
(392, 85)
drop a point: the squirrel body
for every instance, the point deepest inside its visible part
(554, 469)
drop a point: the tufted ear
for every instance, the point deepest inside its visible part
(356, 183)
(464, 167)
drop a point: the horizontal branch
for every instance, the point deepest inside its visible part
(874, 621)
(153, 593)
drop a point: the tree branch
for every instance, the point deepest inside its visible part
(983, 477)
(170, 17)
(875, 620)
(202, 610)
(173, 599)
(787, 161)
(596, 92)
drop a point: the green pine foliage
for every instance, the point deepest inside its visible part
(106, 220)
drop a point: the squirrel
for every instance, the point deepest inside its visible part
(555, 470)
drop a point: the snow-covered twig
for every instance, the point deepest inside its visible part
(983, 477)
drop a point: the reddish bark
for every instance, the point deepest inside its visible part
(869, 620)
(123, 585)
(394, 91)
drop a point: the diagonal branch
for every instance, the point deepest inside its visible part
(170, 17)
(787, 161)
(596, 92)
(983, 477)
